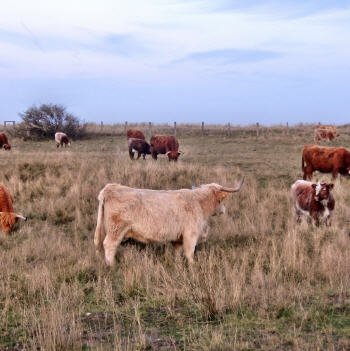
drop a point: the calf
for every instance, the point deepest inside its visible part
(314, 200)
(139, 145)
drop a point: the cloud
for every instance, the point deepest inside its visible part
(229, 56)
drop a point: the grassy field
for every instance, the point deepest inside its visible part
(260, 282)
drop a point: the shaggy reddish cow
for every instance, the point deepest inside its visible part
(8, 218)
(165, 144)
(327, 133)
(139, 145)
(4, 142)
(325, 160)
(134, 133)
(314, 200)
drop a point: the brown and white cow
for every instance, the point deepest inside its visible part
(8, 218)
(179, 217)
(324, 159)
(165, 144)
(325, 132)
(62, 138)
(313, 200)
(134, 133)
(4, 143)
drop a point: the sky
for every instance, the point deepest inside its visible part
(216, 61)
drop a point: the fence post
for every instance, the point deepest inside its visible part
(101, 126)
(257, 130)
(229, 129)
(175, 129)
(202, 128)
(150, 129)
(126, 126)
(287, 129)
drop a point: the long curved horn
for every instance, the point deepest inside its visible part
(167, 153)
(233, 190)
(16, 214)
(181, 152)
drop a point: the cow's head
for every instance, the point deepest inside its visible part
(7, 146)
(8, 220)
(173, 155)
(322, 190)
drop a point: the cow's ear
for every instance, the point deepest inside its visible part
(223, 195)
(330, 186)
(314, 186)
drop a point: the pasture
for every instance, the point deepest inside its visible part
(261, 282)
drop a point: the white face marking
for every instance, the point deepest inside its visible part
(222, 209)
(318, 188)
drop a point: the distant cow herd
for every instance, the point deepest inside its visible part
(181, 216)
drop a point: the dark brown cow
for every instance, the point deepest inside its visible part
(325, 160)
(8, 218)
(313, 200)
(134, 133)
(165, 144)
(139, 145)
(4, 143)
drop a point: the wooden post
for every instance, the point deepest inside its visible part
(175, 129)
(287, 129)
(150, 129)
(257, 130)
(126, 126)
(101, 126)
(229, 129)
(202, 128)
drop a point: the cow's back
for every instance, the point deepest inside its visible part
(134, 133)
(323, 158)
(164, 143)
(6, 203)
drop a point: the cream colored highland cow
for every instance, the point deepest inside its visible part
(156, 216)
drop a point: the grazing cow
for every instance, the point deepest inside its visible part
(61, 138)
(139, 145)
(4, 143)
(314, 200)
(8, 218)
(327, 133)
(325, 160)
(156, 216)
(134, 133)
(165, 144)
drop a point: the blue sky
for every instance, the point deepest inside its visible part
(189, 61)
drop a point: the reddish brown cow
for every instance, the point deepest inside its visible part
(327, 133)
(4, 142)
(313, 200)
(8, 218)
(165, 144)
(134, 133)
(325, 160)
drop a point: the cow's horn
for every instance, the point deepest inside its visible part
(16, 214)
(181, 152)
(167, 153)
(233, 190)
(20, 216)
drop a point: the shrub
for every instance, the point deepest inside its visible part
(46, 120)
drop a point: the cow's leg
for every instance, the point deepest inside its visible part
(154, 155)
(112, 241)
(189, 245)
(335, 174)
(144, 156)
(328, 221)
(138, 154)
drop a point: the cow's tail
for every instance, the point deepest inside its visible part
(99, 232)
(302, 162)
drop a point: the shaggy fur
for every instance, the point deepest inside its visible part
(165, 144)
(134, 133)
(7, 219)
(4, 143)
(139, 145)
(155, 216)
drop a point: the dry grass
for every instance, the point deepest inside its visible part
(260, 282)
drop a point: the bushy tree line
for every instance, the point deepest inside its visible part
(46, 120)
